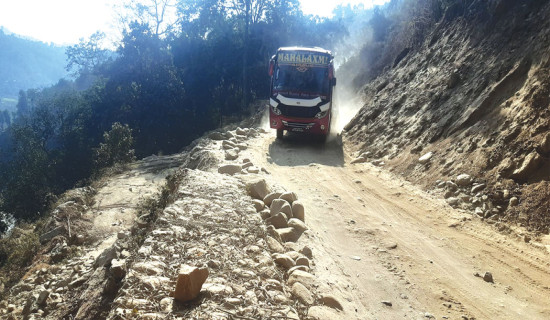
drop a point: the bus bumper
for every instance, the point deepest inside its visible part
(309, 125)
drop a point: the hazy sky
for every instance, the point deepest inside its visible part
(66, 21)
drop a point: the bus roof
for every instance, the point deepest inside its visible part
(311, 49)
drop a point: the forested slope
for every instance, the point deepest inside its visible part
(27, 64)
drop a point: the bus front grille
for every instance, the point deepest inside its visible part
(299, 112)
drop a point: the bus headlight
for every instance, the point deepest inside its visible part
(276, 110)
(321, 114)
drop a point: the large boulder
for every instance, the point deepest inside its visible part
(270, 197)
(189, 283)
(298, 210)
(277, 206)
(530, 164)
(257, 188)
(278, 221)
(463, 180)
(232, 154)
(289, 196)
(230, 169)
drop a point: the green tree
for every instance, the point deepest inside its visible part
(86, 56)
(117, 147)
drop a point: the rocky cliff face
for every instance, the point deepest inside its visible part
(473, 99)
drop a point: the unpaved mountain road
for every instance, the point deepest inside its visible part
(392, 251)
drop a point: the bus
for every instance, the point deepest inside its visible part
(301, 91)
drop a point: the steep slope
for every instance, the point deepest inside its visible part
(473, 99)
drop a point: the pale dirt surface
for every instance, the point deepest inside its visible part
(119, 196)
(379, 239)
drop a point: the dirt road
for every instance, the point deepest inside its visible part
(391, 251)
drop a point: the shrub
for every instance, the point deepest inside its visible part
(117, 148)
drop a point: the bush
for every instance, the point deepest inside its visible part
(117, 148)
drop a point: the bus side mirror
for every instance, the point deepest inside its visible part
(271, 67)
(333, 81)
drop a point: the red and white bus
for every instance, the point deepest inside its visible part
(302, 83)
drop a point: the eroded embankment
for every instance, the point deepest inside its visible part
(473, 99)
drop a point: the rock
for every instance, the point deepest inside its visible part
(513, 202)
(166, 305)
(277, 206)
(488, 277)
(242, 146)
(217, 136)
(253, 170)
(303, 277)
(226, 145)
(232, 303)
(388, 303)
(232, 154)
(118, 268)
(323, 313)
(302, 261)
(52, 234)
(213, 289)
(265, 214)
(77, 283)
(270, 197)
(358, 160)
(425, 158)
(298, 210)
(290, 197)
(530, 164)
(302, 293)
(246, 165)
(189, 282)
(306, 251)
(287, 210)
(257, 188)
(230, 169)
(463, 180)
(106, 256)
(452, 201)
(293, 254)
(283, 260)
(464, 198)
(27, 306)
(278, 221)
(478, 211)
(150, 267)
(274, 233)
(297, 224)
(451, 185)
(330, 301)
(545, 144)
(274, 245)
(241, 132)
(478, 187)
(42, 297)
(258, 205)
(297, 267)
(287, 234)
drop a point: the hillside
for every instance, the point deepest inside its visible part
(27, 64)
(433, 202)
(472, 98)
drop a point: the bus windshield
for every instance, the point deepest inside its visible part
(301, 80)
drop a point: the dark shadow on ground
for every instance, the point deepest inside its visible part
(301, 149)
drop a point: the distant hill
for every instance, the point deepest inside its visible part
(26, 64)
